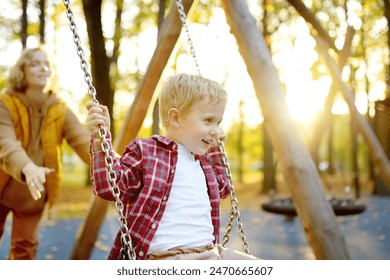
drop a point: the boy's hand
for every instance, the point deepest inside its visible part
(97, 115)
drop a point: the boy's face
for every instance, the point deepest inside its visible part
(199, 126)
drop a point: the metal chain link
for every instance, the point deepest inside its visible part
(183, 18)
(126, 251)
(234, 212)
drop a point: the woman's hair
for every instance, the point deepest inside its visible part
(181, 91)
(16, 79)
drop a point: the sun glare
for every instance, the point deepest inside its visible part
(305, 98)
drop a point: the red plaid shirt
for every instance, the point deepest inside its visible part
(145, 173)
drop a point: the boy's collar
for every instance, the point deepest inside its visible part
(164, 140)
(167, 141)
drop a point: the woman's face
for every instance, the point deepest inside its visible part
(37, 71)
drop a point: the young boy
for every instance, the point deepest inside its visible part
(171, 186)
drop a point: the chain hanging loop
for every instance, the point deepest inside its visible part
(126, 251)
(234, 212)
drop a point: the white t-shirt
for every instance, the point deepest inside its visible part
(187, 216)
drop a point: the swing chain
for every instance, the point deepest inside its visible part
(234, 212)
(126, 251)
(80, 52)
(183, 18)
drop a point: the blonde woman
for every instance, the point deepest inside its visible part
(33, 124)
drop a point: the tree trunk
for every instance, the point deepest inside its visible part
(117, 37)
(24, 24)
(317, 217)
(42, 22)
(100, 65)
(354, 144)
(269, 169)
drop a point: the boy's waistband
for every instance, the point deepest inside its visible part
(179, 250)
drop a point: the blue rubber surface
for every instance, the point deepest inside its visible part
(270, 236)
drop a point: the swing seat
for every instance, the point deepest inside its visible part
(341, 207)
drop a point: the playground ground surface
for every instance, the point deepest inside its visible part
(270, 236)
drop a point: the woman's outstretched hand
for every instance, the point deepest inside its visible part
(35, 179)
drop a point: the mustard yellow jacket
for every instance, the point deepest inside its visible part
(52, 135)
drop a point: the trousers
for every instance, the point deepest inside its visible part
(24, 235)
(208, 252)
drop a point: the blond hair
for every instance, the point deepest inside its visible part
(182, 91)
(16, 79)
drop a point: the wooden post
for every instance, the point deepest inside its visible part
(167, 39)
(317, 217)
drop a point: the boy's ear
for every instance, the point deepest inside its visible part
(173, 117)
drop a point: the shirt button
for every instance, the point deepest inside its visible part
(172, 170)
(174, 146)
(165, 197)
(141, 254)
(153, 226)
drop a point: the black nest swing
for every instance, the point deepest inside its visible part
(341, 207)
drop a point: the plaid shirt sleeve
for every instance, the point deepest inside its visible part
(215, 156)
(127, 169)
